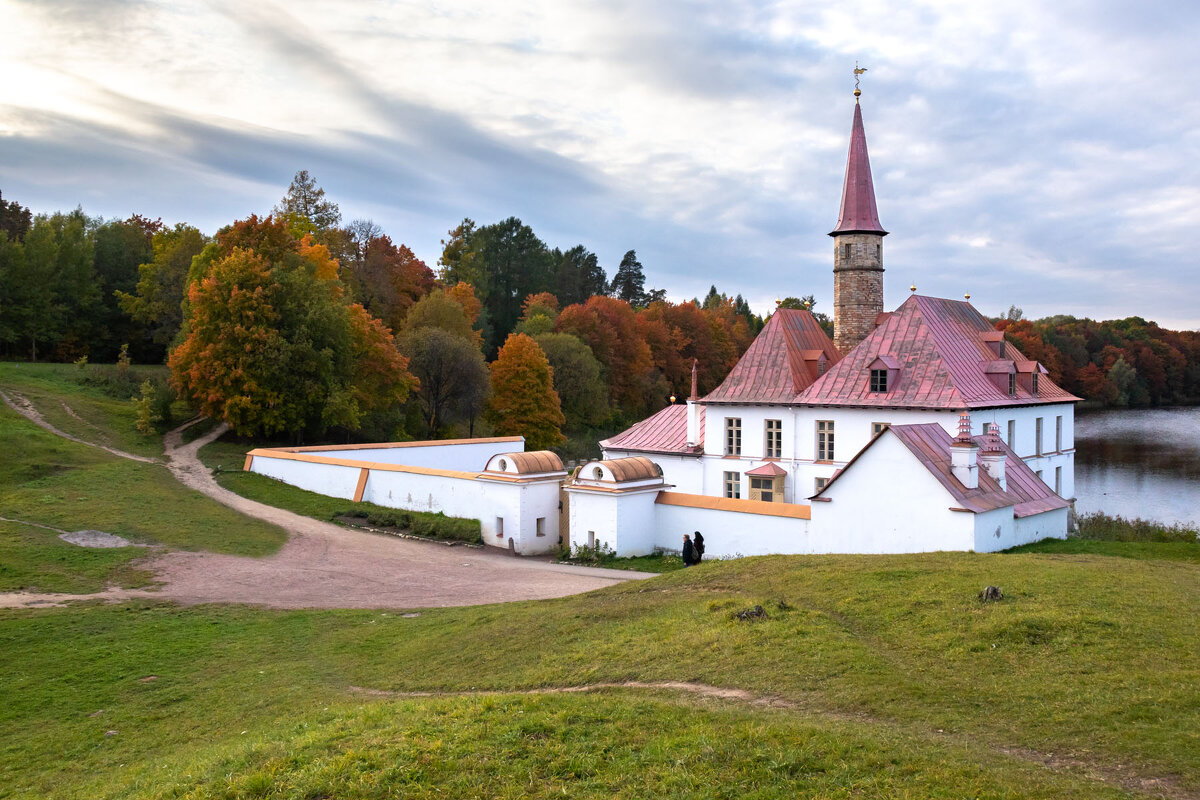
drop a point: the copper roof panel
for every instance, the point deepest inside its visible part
(780, 363)
(944, 363)
(664, 432)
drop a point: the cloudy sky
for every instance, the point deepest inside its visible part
(1045, 155)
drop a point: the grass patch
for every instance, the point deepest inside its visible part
(36, 560)
(604, 557)
(49, 480)
(98, 416)
(899, 671)
(1100, 534)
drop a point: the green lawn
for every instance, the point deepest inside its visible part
(49, 480)
(890, 677)
(903, 682)
(98, 417)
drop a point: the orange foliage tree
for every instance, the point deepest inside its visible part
(523, 401)
(272, 346)
(609, 326)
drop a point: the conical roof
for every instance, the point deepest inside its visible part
(858, 213)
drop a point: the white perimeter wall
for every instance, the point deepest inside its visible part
(505, 509)
(468, 456)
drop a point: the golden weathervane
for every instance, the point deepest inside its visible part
(857, 72)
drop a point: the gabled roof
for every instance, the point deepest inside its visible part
(858, 213)
(945, 360)
(664, 432)
(767, 470)
(782, 361)
(1025, 492)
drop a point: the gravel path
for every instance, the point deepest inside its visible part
(323, 565)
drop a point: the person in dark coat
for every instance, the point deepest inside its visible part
(689, 551)
(698, 545)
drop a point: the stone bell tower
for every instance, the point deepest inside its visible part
(857, 246)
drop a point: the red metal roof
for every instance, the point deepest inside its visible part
(782, 362)
(1025, 492)
(945, 360)
(858, 213)
(664, 432)
(767, 470)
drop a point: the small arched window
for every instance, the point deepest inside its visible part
(503, 465)
(597, 473)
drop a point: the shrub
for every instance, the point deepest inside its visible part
(421, 523)
(1100, 527)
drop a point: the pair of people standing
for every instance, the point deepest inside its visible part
(693, 551)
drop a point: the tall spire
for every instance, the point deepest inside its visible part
(858, 213)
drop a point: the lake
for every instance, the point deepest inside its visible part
(1139, 463)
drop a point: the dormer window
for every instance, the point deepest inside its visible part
(1034, 382)
(882, 373)
(1012, 384)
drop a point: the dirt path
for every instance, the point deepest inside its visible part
(323, 565)
(22, 406)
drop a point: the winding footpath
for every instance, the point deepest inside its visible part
(323, 565)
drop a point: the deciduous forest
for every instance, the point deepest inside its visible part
(294, 325)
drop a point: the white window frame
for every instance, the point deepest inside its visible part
(825, 440)
(732, 482)
(733, 436)
(773, 438)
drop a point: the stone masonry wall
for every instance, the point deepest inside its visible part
(857, 287)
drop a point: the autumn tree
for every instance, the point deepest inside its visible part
(440, 309)
(387, 279)
(539, 312)
(523, 401)
(609, 327)
(272, 346)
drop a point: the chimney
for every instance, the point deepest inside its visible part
(693, 409)
(992, 457)
(964, 454)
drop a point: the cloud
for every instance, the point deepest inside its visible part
(709, 137)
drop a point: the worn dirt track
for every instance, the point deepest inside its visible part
(323, 565)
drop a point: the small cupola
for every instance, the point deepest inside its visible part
(964, 455)
(883, 373)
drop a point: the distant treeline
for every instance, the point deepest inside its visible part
(282, 324)
(1123, 362)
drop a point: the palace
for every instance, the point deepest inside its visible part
(914, 430)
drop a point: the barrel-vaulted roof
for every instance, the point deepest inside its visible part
(948, 355)
(790, 352)
(530, 463)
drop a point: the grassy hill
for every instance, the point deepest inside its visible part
(870, 676)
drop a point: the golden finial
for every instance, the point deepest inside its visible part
(912, 288)
(672, 398)
(857, 71)
(967, 296)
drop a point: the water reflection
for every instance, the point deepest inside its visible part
(1142, 463)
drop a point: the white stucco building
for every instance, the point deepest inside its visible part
(921, 429)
